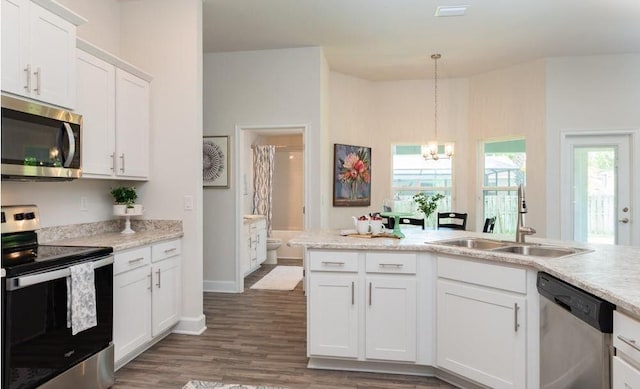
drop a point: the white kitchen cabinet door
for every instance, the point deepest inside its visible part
(96, 87)
(481, 334)
(333, 315)
(131, 310)
(132, 126)
(52, 49)
(38, 53)
(391, 318)
(167, 297)
(624, 376)
(15, 35)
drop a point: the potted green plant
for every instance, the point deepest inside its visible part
(125, 198)
(427, 204)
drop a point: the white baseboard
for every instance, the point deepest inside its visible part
(219, 286)
(191, 325)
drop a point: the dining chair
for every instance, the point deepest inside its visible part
(452, 220)
(489, 224)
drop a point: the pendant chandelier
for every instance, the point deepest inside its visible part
(430, 150)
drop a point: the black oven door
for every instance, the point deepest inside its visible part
(37, 344)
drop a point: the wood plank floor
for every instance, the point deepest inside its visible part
(256, 338)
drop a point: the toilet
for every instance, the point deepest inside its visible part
(272, 250)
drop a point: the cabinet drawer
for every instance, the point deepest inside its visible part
(131, 259)
(403, 263)
(163, 250)
(624, 376)
(485, 274)
(626, 335)
(340, 261)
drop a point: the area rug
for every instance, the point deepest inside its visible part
(218, 385)
(280, 278)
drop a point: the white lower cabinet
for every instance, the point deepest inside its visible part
(377, 322)
(131, 301)
(254, 250)
(146, 296)
(391, 318)
(626, 362)
(482, 323)
(333, 310)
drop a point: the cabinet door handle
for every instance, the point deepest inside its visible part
(369, 293)
(122, 164)
(516, 325)
(150, 281)
(113, 162)
(132, 261)
(329, 263)
(167, 251)
(353, 297)
(158, 284)
(398, 265)
(630, 342)
(27, 85)
(38, 74)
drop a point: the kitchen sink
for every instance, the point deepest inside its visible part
(539, 251)
(501, 246)
(474, 243)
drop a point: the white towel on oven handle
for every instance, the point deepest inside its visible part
(81, 298)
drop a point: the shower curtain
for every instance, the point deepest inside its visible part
(263, 182)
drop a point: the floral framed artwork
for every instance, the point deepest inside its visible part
(352, 176)
(215, 161)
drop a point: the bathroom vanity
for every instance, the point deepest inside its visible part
(254, 246)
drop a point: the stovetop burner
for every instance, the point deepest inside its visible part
(44, 257)
(21, 253)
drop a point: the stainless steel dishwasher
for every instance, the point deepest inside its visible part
(575, 336)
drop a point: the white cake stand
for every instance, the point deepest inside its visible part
(128, 212)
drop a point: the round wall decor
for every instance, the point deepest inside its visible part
(212, 161)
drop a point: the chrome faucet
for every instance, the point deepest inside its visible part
(521, 229)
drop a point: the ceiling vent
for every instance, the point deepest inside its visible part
(456, 10)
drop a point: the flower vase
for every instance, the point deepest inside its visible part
(354, 191)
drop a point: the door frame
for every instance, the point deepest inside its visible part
(240, 155)
(566, 165)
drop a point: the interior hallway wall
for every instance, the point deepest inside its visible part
(165, 38)
(257, 88)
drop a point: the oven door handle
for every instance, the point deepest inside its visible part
(33, 279)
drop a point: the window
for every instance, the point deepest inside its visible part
(412, 174)
(504, 170)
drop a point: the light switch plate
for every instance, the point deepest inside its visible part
(188, 202)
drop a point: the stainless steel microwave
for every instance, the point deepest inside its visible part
(39, 142)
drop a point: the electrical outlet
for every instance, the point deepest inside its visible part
(84, 206)
(188, 203)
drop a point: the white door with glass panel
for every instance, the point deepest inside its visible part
(596, 196)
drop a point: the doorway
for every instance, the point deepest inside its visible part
(290, 145)
(598, 191)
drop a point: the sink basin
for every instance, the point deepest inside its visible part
(538, 251)
(473, 243)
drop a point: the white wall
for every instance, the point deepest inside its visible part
(103, 26)
(165, 38)
(503, 104)
(587, 93)
(380, 114)
(257, 88)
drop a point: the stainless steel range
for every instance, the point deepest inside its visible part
(38, 347)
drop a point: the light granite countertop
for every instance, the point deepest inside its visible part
(607, 271)
(107, 234)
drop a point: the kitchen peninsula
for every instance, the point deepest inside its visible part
(409, 305)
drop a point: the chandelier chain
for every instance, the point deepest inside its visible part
(435, 88)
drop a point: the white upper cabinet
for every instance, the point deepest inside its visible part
(132, 125)
(38, 51)
(114, 105)
(97, 104)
